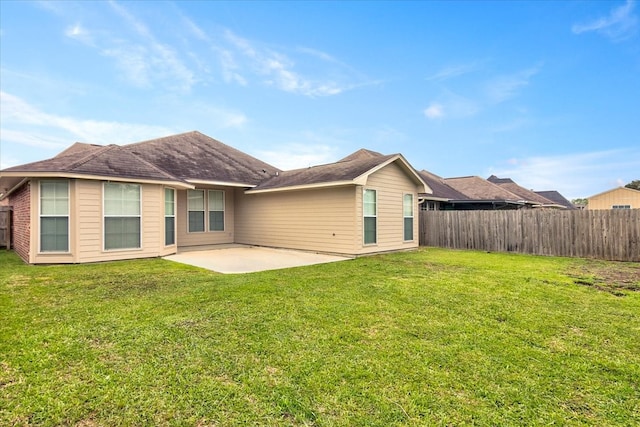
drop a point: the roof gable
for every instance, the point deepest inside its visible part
(617, 189)
(353, 169)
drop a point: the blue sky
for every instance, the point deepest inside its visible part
(546, 93)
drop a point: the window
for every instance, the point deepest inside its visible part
(195, 207)
(122, 216)
(169, 216)
(212, 209)
(407, 212)
(370, 217)
(621, 207)
(54, 216)
(216, 210)
(428, 206)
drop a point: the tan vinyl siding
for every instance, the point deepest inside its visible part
(391, 184)
(86, 230)
(184, 238)
(618, 196)
(320, 220)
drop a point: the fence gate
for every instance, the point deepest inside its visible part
(5, 227)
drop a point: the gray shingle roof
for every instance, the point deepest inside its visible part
(194, 156)
(521, 192)
(107, 161)
(348, 169)
(557, 198)
(477, 188)
(440, 188)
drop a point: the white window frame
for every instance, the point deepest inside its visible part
(405, 217)
(621, 207)
(429, 205)
(204, 212)
(365, 216)
(41, 216)
(173, 216)
(105, 216)
(209, 210)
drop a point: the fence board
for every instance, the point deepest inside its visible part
(606, 234)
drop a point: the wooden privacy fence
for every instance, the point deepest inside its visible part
(603, 234)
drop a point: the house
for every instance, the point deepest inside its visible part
(528, 196)
(617, 198)
(475, 193)
(97, 203)
(557, 198)
(442, 197)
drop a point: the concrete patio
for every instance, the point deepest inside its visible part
(233, 259)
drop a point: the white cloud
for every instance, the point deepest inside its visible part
(499, 89)
(434, 111)
(281, 71)
(298, 155)
(619, 25)
(142, 59)
(450, 105)
(505, 87)
(450, 72)
(25, 124)
(80, 33)
(573, 175)
(133, 63)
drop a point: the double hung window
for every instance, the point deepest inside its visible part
(122, 216)
(216, 210)
(54, 216)
(169, 216)
(201, 209)
(407, 213)
(370, 211)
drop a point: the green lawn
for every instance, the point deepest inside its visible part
(432, 337)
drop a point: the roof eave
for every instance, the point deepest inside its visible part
(220, 183)
(303, 187)
(68, 175)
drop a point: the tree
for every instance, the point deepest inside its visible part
(635, 184)
(580, 202)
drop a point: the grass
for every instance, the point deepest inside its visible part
(431, 337)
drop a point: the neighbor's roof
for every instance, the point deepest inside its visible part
(521, 192)
(477, 188)
(557, 198)
(441, 190)
(615, 189)
(353, 169)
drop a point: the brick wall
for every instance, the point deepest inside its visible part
(21, 202)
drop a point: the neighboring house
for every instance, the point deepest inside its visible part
(443, 196)
(96, 203)
(557, 198)
(475, 193)
(530, 197)
(617, 198)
